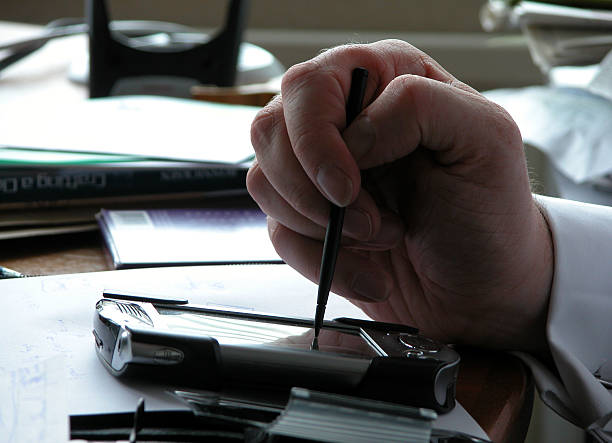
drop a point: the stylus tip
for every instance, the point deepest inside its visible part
(315, 344)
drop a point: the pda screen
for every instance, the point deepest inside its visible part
(239, 331)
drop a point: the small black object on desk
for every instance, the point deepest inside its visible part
(112, 58)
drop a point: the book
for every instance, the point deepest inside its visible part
(26, 187)
(139, 149)
(60, 218)
(173, 237)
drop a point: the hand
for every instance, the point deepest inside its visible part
(445, 234)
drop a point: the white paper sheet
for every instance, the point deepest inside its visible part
(530, 12)
(572, 126)
(155, 127)
(601, 84)
(45, 317)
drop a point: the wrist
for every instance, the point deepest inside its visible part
(533, 309)
(516, 314)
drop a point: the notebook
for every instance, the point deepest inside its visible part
(173, 237)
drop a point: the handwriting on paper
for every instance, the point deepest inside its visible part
(36, 406)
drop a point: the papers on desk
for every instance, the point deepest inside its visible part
(49, 316)
(145, 126)
(141, 151)
(557, 35)
(36, 410)
(548, 13)
(570, 125)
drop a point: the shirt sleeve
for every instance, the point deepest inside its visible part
(579, 325)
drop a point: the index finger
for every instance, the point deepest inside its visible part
(314, 94)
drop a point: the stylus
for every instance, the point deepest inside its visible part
(333, 234)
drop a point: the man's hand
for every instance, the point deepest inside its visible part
(444, 233)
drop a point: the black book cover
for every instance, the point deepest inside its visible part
(29, 185)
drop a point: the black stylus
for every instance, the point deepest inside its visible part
(333, 234)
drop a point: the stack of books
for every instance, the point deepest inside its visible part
(59, 167)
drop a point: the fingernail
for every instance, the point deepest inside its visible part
(336, 185)
(358, 224)
(360, 137)
(370, 286)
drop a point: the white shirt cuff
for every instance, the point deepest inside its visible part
(579, 325)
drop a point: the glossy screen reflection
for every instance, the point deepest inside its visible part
(238, 331)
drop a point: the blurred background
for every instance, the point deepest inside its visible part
(294, 31)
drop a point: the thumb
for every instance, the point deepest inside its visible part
(459, 125)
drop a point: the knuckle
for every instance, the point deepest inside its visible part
(351, 50)
(274, 231)
(397, 43)
(413, 94)
(278, 237)
(262, 128)
(403, 53)
(407, 87)
(374, 56)
(401, 50)
(427, 64)
(255, 180)
(260, 189)
(299, 74)
(505, 128)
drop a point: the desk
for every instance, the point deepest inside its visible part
(495, 388)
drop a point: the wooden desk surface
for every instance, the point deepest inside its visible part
(495, 388)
